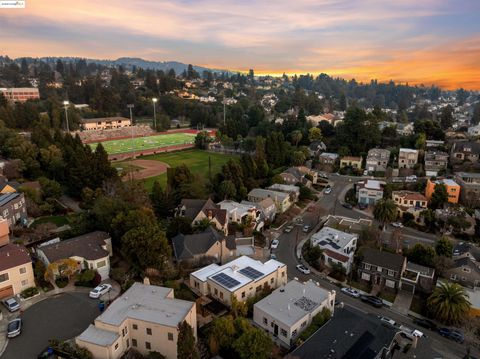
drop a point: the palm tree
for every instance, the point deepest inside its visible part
(449, 303)
(385, 211)
(296, 137)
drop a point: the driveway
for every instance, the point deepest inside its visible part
(60, 317)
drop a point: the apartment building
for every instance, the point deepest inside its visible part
(20, 94)
(351, 161)
(104, 123)
(469, 188)
(338, 247)
(435, 162)
(377, 160)
(407, 158)
(453, 189)
(241, 278)
(289, 309)
(145, 318)
(13, 207)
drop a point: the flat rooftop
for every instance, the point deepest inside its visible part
(333, 238)
(98, 336)
(292, 302)
(147, 303)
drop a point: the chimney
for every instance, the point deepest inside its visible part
(146, 281)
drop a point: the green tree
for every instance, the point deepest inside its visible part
(186, 346)
(298, 158)
(221, 334)
(446, 117)
(421, 141)
(385, 211)
(422, 255)
(476, 114)
(444, 247)
(429, 218)
(202, 139)
(439, 197)
(50, 188)
(253, 344)
(449, 303)
(227, 190)
(458, 223)
(296, 137)
(161, 200)
(314, 134)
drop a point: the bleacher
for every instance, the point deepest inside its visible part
(115, 133)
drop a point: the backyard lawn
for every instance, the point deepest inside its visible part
(195, 160)
(57, 220)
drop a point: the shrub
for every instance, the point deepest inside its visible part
(29, 292)
(318, 320)
(88, 278)
(61, 282)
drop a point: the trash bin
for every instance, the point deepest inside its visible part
(101, 306)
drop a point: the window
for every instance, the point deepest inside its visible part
(294, 333)
(3, 277)
(367, 266)
(128, 343)
(101, 264)
(453, 276)
(149, 331)
(271, 281)
(197, 285)
(23, 270)
(148, 345)
(391, 273)
(135, 327)
(379, 269)
(466, 270)
(126, 330)
(24, 282)
(170, 336)
(366, 276)
(134, 342)
(116, 346)
(216, 291)
(390, 283)
(283, 274)
(243, 294)
(283, 332)
(265, 321)
(304, 324)
(123, 332)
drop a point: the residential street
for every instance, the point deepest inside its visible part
(331, 204)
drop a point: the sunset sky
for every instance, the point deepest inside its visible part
(415, 41)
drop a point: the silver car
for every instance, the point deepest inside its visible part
(11, 304)
(14, 328)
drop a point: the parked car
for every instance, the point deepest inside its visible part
(274, 244)
(397, 224)
(323, 175)
(327, 190)
(14, 328)
(347, 205)
(387, 320)
(372, 300)
(100, 290)
(452, 334)
(306, 228)
(351, 292)
(11, 304)
(411, 179)
(47, 353)
(273, 256)
(362, 206)
(288, 229)
(303, 269)
(425, 323)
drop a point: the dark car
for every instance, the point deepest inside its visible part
(372, 300)
(425, 323)
(347, 205)
(362, 206)
(14, 328)
(452, 334)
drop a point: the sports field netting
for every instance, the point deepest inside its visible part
(145, 143)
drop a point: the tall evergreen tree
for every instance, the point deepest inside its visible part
(186, 346)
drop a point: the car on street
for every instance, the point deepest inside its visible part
(327, 190)
(100, 290)
(323, 175)
(11, 304)
(362, 206)
(288, 229)
(351, 292)
(274, 244)
(273, 256)
(397, 224)
(303, 269)
(14, 328)
(411, 179)
(372, 300)
(387, 320)
(306, 228)
(425, 323)
(452, 334)
(347, 205)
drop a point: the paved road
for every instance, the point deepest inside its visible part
(61, 317)
(330, 204)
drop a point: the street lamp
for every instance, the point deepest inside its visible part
(65, 103)
(130, 106)
(154, 100)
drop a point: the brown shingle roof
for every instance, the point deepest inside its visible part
(337, 256)
(13, 255)
(88, 246)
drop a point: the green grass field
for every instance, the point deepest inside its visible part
(145, 143)
(196, 161)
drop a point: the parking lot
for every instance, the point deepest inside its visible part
(60, 317)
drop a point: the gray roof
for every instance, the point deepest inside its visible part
(265, 193)
(189, 245)
(426, 271)
(383, 259)
(290, 303)
(103, 119)
(88, 246)
(147, 303)
(467, 146)
(8, 197)
(350, 334)
(98, 336)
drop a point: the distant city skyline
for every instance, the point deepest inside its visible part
(423, 41)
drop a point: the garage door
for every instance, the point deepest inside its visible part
(6, 292)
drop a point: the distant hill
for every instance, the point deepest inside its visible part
(130, 62)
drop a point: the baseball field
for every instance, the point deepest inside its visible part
(146, 143)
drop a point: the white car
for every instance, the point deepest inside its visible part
(327, 190)
(303, 269)
(11, 304)
(351, 292)
(397, 224)
(387, 321)
(274, 244)
(100, 290)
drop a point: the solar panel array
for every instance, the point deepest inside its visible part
(225, 280)
(251, 273)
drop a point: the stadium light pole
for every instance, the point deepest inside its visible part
(65, 104)
(154, 101)
(130, 106)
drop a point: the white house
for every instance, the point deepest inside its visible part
(91, 251)
(338, 247)
(282, 200)
(289, 309)
(369, 191)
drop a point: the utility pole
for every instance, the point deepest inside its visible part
(154, 100)
(130, 106)
(224, 111)
(65, 103)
